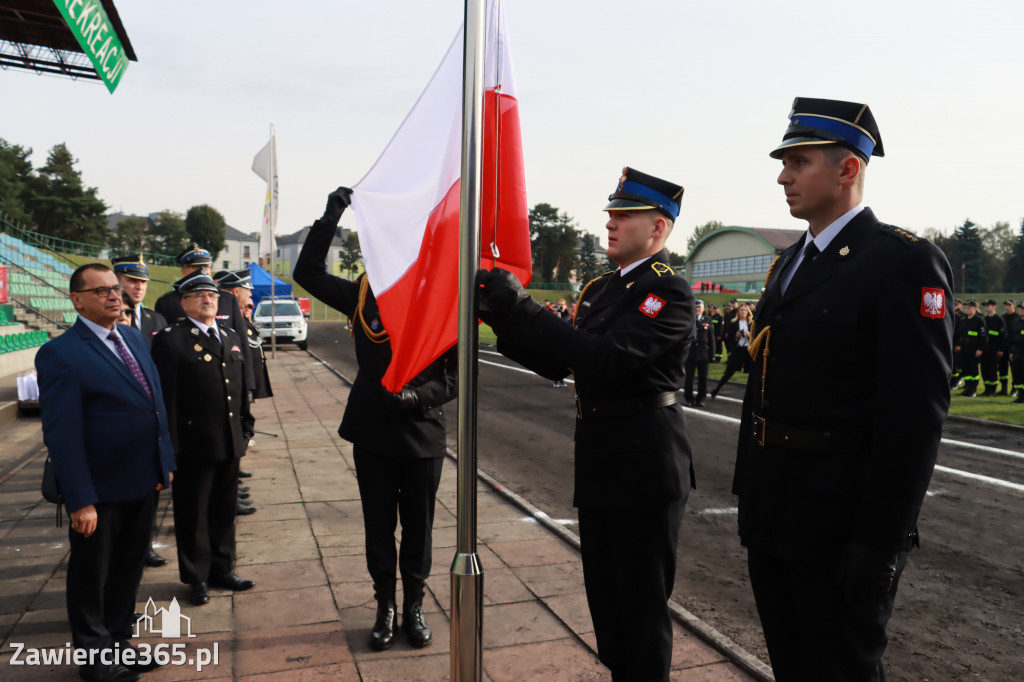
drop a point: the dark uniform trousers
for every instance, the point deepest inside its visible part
(393, 487)
(205, 500)
(633, 470)
(126, 527)
(812, 634)
(629, 559)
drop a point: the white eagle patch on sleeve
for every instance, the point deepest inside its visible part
(652, 305)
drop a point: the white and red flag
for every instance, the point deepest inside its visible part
(407, 206)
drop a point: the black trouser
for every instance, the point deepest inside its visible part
(389, 488)
(629, 568)
(104, 571)
(970, 367)
(739, 359)
(1018, 372)
(812, 633)
(698, 366)
(990, 371)
(205, 501)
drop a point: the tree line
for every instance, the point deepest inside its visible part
(53, 200)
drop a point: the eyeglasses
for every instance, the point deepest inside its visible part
(203, 294)
(103, 292)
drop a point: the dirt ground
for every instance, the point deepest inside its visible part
(960, 604)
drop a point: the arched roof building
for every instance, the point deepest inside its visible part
(738, 257)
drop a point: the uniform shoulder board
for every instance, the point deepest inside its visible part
(662, 268)
(901, 234)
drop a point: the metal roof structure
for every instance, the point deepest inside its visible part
(35, 36)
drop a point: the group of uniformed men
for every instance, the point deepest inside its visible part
(988, 348)
(211, 365)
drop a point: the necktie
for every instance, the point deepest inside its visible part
(810, 251)
(213, 335)
(133, 366)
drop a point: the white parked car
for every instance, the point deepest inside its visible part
(285, 314)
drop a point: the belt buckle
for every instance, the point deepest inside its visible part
(759, 429)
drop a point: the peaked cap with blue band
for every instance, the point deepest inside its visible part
(641, 192)
(832, 121)
(195, 255)
(131, 266)
(196, 281)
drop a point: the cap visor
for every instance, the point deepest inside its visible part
(797, 142)
(627, 205)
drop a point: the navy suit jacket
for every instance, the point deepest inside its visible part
(108, 440)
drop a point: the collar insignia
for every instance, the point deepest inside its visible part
(845, 251)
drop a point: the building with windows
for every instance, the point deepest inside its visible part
(240, 249)
(738, 257)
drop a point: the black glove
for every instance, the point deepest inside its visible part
(503, 298)
(337, 202)
(405, 400)
(865, 574)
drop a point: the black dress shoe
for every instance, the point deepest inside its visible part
(244, 474)
(154, 560)
(241, 510)
(107, 673)
(699, 403)
(231, 581)
(199, 594)
(243, 489)
(382, 636)
(243, 496)
(245, 503)
(414, 625)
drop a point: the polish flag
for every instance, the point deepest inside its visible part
(407, 207)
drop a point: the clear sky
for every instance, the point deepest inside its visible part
(697, 93)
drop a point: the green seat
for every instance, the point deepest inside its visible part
(5, 345)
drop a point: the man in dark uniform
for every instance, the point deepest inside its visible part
(627, 351)
(398, 438)
(718, 320)
(204, 385)
(196, 259)
(958, 318)
(133, 274)
(239, 283)
(970, 344)
(839, 434)
(702, 349)
(1017, 352)
(995, 326)
(1004, 362)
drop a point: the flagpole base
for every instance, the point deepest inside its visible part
(467, 618)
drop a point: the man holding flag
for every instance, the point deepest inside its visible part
(398, 438)
(627, 351)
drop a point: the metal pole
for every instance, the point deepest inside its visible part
(270, 217)
(467, 573)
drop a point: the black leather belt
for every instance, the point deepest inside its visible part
(768, 432)
(621, 408)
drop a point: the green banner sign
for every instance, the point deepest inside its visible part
(94, 32)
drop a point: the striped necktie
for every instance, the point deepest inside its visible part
(133, 366)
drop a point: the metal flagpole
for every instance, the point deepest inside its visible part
(467, 573)
(270, 217)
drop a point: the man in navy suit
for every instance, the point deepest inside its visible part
(105, 427)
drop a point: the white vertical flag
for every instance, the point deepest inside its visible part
(265, 166)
